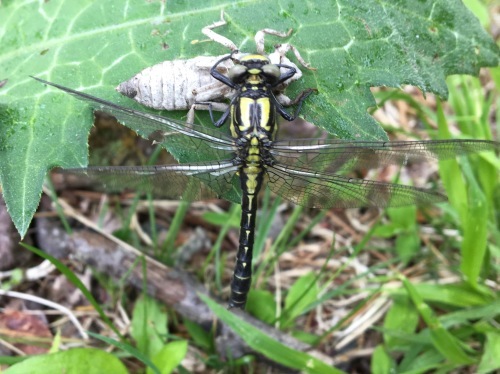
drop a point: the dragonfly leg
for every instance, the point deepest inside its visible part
(220, 107)
(283, 99)
(220, 77)
(298, 100)
(286, 102)
(302, 96)
(290, 73)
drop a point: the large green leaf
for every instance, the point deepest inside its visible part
(93, 46)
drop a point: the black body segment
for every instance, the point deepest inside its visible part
(242, 277)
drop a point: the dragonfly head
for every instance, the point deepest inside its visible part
(254, 67)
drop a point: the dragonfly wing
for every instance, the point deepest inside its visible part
(178, 182)
(317, 190)
(188, 139)
(338, 156)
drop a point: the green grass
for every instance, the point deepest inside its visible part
(473, 188)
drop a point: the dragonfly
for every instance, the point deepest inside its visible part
(309, 172)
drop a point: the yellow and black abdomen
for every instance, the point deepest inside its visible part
(251, 178)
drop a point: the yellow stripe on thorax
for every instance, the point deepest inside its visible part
(265, 106)
(246, 105)
(234, 134)
(245, 110)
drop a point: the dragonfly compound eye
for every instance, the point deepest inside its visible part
(238, 73)
(271, 72)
